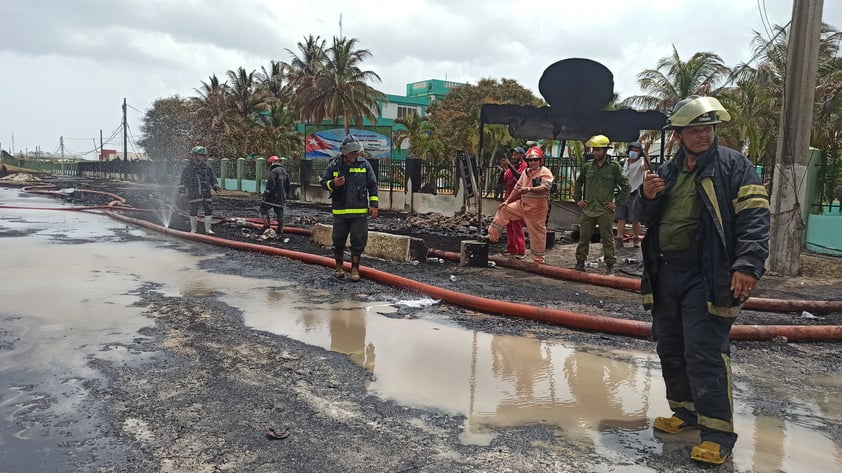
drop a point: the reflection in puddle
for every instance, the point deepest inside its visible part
(599, 398)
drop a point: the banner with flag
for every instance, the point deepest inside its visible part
(323, 141)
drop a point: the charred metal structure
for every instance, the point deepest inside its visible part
(577, 90)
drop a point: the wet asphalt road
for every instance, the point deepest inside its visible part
(112, 361)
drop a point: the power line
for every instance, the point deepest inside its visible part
(136, 110)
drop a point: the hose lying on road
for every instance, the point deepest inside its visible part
(575, 320)
(560, 317)
(755, 303)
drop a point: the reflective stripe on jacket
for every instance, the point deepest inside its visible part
(733, 230)
(359, 191)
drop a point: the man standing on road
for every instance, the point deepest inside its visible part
(197, 179)
(515, 237)
(707, 215)
(353, 194)
(594, 192)
(634, 168)
(275, 195)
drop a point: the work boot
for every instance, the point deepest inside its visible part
(671, 425)
(266, 222)
(609, 270)
(618, 242)
(637, 242)
(710, 452)
(580, 266)
(208, 224)
(339, 257)
(355, 268)
(193, 220)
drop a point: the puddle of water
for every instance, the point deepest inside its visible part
(598, 398)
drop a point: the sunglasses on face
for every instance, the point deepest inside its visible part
(528, 160)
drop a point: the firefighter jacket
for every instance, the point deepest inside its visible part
(198, 180)
(277, 185)
(359, 191)
(733, 230)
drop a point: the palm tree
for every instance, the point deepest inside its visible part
(755, 101)
(674, 79)
(311, 60)
(754, 120)
(278, 134)
(415, 129)
(247, 100)
(212, 112)
(302, 70)
(338, 90)
(274, 81)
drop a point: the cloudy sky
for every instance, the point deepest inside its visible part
(67, 64)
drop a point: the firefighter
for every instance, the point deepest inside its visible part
(352, 184)
(708, 218)
(275, 195)
(197, 180)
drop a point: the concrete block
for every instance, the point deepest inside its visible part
(390, 247)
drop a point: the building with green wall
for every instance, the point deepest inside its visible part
(419, 95)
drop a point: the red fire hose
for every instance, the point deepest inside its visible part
(560, 317)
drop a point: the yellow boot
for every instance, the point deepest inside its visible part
(671, 425)
(710, 452)
(355, 268)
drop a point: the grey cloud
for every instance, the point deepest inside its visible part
(39, 28)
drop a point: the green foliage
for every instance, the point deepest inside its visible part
(332, 86)
(167, 131)
(458, 113)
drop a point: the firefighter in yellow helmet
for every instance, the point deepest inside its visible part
(707, 215)
(594, 192)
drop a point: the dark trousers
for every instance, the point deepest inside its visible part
(356, 227)
(265, 209)
(694, 349)
(205, 202)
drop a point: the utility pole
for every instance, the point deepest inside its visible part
(61, 145)
(101, 146)
(788, 206)
(126, 129)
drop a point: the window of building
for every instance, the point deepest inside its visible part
(404, 112)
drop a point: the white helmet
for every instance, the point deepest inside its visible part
(351, 144)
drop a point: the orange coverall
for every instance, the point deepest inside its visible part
(529, 202)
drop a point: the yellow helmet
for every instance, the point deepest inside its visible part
(598, 141)
(696, 110)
